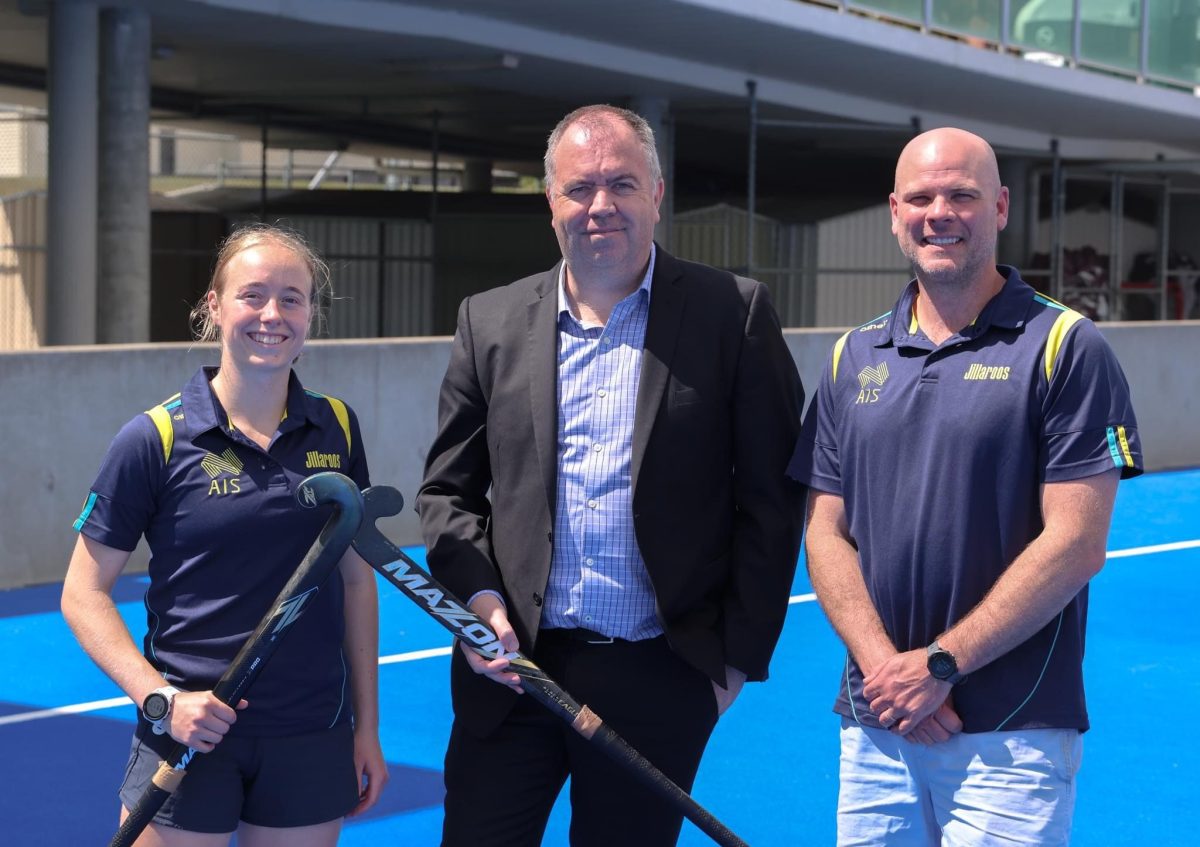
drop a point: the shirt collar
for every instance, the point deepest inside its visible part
(204, 412)
(1008, 309)
(562, 282)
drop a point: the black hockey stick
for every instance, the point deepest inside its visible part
(320, 561)
(392, 564)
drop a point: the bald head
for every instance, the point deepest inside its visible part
(946, 149)
(948, 207)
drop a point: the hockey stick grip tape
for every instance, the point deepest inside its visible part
(586, 722)
(167, 777)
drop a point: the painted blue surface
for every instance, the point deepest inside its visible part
(771, 770)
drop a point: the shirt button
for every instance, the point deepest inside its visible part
(601, 393)
(597, 447)
(592, 504)
(587, 618)
(588, 560)
(607, 341)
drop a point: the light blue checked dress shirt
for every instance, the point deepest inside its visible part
(598, 580)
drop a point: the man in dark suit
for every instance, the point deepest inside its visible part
(607, 489)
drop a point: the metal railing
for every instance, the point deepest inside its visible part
(1149, 41)
(22, 270)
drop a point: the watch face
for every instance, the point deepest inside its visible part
(942, 665)
(155, 706)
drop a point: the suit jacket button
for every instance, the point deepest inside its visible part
(537, 599)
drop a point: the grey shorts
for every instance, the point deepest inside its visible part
(297, 780)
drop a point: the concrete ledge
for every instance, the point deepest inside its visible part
(62, 406)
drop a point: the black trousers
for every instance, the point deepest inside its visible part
(500, 789)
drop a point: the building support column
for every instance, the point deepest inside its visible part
(656, 111)
(123, 293)
(477, 176)
(72, 174)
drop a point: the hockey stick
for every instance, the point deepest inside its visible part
(320, 561)
(392, 564)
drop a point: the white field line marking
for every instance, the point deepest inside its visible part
(1154, 548)
(1111, 554)
(97, 705)
(77, 708)
(417, 655)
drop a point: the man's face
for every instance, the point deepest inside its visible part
(604, 203)
(948, 208)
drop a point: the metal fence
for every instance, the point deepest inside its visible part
(23, 148)
(716, 235)
(382, 273)
(837, 272)
(22, 270)
(183, 160)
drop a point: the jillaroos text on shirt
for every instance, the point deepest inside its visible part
(978, 371)
(316, 459)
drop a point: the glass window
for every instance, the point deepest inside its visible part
(973, 18)
(1041, 25)
(1110, 33)
(1109, 30)
(910, 10)
(1175, 41)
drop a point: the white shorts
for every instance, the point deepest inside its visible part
(977, 789)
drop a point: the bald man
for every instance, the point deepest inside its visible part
(962, 454)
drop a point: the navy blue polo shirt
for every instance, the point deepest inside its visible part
(939, 452)
(225, 533)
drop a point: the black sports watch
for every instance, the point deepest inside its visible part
(942, 664)
(157, 706)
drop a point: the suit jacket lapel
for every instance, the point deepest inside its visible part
(542, 357)
(667, 295)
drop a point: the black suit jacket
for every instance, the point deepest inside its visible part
(717, 521)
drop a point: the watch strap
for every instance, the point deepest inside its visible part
(168, 692)
(935, 648)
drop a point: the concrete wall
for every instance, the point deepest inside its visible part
(62, 406)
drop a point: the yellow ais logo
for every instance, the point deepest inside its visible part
(225, 485)
(868, 377)
(224, 472)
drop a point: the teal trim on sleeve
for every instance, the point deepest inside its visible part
(87, 511)
(1113, 449)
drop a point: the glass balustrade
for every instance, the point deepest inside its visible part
(972, 18)
(905, 10)
(1108, 35)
